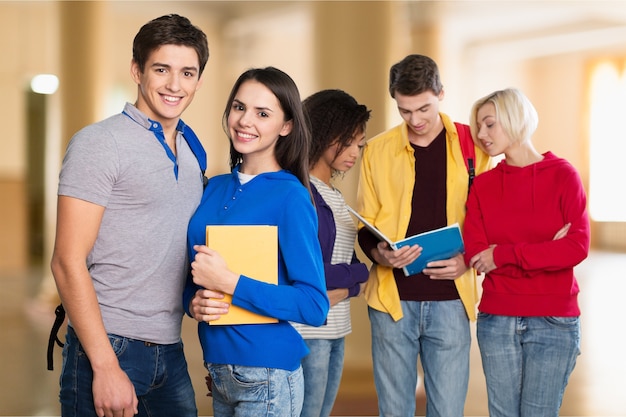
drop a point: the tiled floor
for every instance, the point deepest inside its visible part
(596, 387)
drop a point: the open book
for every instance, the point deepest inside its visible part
(437, 245)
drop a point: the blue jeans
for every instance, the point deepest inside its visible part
(439, 333)
(527, 362)
(245, 391)
(322, 374)
(158, 373)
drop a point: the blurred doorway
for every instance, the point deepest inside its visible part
(35, 175)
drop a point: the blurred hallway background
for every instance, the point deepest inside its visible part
(568, 56)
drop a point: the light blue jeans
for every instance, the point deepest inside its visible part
(245, 391)
(527, 362)
(158, 372)
(439, 333)
(322, 374)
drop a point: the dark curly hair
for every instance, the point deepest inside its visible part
(333, 117)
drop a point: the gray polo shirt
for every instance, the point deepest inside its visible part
(139, 260)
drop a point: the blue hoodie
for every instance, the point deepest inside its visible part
(275, 198)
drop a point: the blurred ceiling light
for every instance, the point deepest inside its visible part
(44, 84)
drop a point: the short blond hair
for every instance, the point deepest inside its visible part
(514, 112)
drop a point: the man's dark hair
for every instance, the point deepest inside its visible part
(170, 29)
(414, 75)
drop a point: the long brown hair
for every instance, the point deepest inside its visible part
(292, 150)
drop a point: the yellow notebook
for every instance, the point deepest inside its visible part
(248, 250)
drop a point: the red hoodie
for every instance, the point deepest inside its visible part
(520, 210)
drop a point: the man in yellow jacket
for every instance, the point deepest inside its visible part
(414, 179)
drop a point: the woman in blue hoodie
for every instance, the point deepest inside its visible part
(255, 368)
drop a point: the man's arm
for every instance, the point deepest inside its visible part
(78, 222)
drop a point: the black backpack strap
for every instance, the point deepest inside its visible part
(54, 333)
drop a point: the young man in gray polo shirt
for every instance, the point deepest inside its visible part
(127, 188)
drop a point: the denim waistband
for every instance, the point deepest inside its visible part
(72, 332)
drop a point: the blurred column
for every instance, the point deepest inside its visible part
(79, 98)
(425, 28)
(353, 44)
(352, 51)
(82, 53)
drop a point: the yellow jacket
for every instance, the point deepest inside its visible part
(384, 198)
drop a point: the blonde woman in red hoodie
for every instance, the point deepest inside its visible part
(526, 229)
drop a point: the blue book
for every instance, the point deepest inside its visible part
(437, 245)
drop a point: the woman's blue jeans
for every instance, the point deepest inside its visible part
(527, 362)
(245, 391)
(439, 333)
(322, 368)
(158, 373)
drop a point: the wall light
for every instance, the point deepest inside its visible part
(44, 83)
